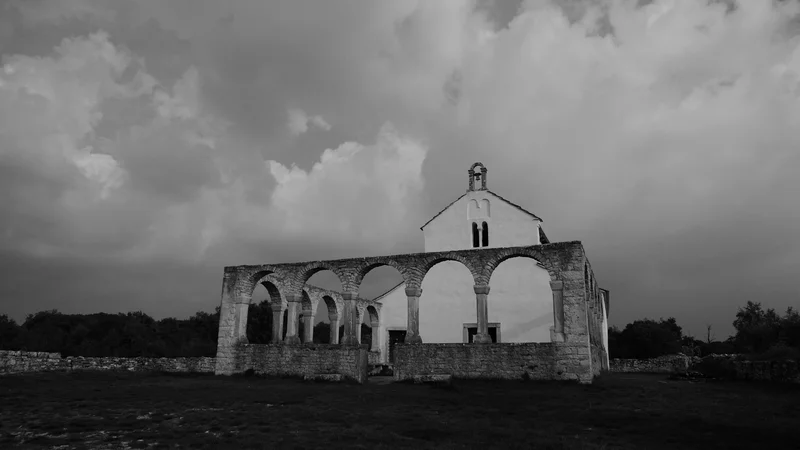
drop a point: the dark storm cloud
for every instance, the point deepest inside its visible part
(662, 136)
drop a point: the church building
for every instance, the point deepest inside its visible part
(520, 307)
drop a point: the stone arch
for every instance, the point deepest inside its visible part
(275, 297)
(362, 271)
(246, 282)
(373, 314)
(306, 303)
(473, 176)
(476, 164)
(330, 304)
(520, 300)
(309, 270)
(505, 255)
(430, 262)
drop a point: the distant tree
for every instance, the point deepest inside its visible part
(259, 323)
(322, 333)
(646, 339)
(790, 328)
(10, 333)
(756, 329)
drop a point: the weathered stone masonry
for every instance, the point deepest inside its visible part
(573, 336)
(12, 362)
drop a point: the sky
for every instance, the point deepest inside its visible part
(146, 144)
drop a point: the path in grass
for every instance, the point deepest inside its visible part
(106, 410)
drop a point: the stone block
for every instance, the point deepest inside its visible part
(324, 377)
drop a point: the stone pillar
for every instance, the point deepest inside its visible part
(277, 322)
(308, 326)
(291, 322)
(349, 337)
(482, 296)
(412, 330)
(334, 318)
(358, 327)
(557, 331)
(375, 347)
(232, 328)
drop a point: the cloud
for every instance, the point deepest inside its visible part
(298, 122)
(660, 135)
(338, 196)
(35, 12)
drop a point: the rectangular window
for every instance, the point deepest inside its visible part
(471, 329)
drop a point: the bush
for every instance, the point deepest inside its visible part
(716, 367)
(777, 352)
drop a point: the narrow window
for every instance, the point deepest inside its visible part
(485, 234)
(475, 242)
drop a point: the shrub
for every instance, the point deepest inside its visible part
(777, 352)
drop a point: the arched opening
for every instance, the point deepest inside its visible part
(384, 284)
(324, 278)
(521, 300)
(447, 303)
(485, 228)
(259, 313)
(326, 316)
(475, 236)
(306, 336)
(373, 325)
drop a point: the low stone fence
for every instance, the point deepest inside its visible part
(775, 371)
(663, 364)
(535, 361)
(310, 361)
(374, 358)
(12, 362)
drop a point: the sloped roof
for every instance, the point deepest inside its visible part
(496, 195)
(543, 237)
(388, 292)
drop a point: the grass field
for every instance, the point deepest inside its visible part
(106, 410)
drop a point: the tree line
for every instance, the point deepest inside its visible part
(137, 334)
(758, 332)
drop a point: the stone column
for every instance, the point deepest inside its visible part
(557, 332)
(232, 328)
(334, 318)
(291, 323)
(349, 337)
(482, 295)
(375, 347)
(277, 323)
(308, 326)
(357, 330)
(412, 330)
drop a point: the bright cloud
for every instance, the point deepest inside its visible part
(299, 121)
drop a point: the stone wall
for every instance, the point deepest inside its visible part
(22, 362)
(775, 371)
(308, 361)
(374, 358)
(662, 364)
(536, 361)
(598, 361)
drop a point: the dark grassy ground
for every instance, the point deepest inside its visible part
(105, 410)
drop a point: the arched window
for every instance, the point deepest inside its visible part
(485, 234)
(475, 242)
